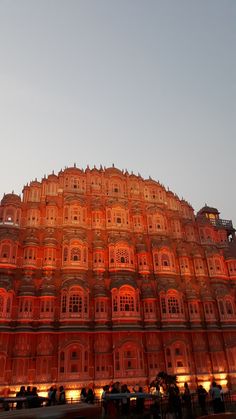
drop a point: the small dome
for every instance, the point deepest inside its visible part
(208, 210)
(11, 198)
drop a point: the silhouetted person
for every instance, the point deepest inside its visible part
(202, 395)
(34, 400)
(50, 393)
(62, 395)
(139, 400)
(28, 391)
(222, 404)
(125, 401)
(90, 396)
(54, 396)
(187, 401)
(216, 397)
(174, 402)
(104, 400)
(20, 393)
(83, 394)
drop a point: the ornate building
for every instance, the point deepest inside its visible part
(107, 276)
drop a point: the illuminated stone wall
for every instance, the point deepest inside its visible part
(107, 276)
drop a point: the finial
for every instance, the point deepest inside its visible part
(74, 164)
(113, 165)
(53, 172)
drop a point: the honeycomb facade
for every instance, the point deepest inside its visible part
(106, 276)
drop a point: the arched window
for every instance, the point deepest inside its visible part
(25, 307)
(33, 217)
(73, 361)
(29, 256)
(143, 265)
(149, 309)
(199, 266)
(46, 307)
(157, 223)
(121, 257)
(74, 303)
(51, 215)
(177, 358)
(75, 254)
(49, 257)
(5, 251)
(184, 265)
(97, 219)
(128, 360)
(125, 302)
(101, 308)
(209, 311)
(164, 260)
(98, 260)
(171, 306)
(193, 308)
(226, 308)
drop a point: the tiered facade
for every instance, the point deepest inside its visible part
(106, 276)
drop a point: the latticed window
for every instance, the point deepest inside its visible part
(229, 308)
(217, 264)
(148, 307)
(173, 305)
(163, 305)
(5, 251)
(165, 260)
(46, 306)
(155, 259)
(75, 303)
(130, 359)
(221, 307)
(115, 304)
(25, 306)
(75, 254)
(193, 308)
(208, 308)
(126, 302)
(63, 304)
(100, 307)
(199, 266)
(122, 256)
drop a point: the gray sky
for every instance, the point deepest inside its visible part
(147, 85)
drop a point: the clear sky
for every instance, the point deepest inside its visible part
(148, 85)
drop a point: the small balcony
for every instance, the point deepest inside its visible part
(226, 224)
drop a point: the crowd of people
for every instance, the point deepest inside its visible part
(165, 394)
(113, 405)
(32, 399)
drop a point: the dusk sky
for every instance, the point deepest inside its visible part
(147, 85)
